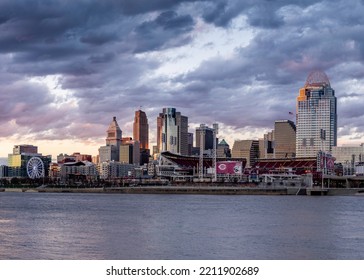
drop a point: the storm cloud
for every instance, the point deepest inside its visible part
(77, 64)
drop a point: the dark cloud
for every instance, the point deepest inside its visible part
(101, 58)
(108, 59)
(168, 29)
(145, 6)
(98, 38)
(265, 17)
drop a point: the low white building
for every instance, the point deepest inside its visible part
(113, 169)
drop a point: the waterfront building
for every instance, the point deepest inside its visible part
(248, 149)
(348, 157)
(223, 149)
(207, 135)
(96, 159)
(4, 171)
(155, 152)
(63, 158)
(81, 169)
(172, 132)
(284, 139)
(55, 170)
(190, 143)
(18, 164)
(82, 157)
(266, 144)
(114, 170)
(151, 168)
(141, 134)
(25, 149)
(110, 152)
(359, 169)
(141, 129)
(351, 154)
(130, 152)
(316, 116)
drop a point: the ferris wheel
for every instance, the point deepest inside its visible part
(35, 168)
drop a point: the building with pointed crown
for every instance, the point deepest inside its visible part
(111, 152)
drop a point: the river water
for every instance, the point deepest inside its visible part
(135, 226)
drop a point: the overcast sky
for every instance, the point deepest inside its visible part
(68, 67)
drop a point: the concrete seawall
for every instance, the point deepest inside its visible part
(165, 190)
(210, 190)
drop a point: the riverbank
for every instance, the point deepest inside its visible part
(212, 190)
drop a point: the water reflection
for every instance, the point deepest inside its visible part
(97, 226)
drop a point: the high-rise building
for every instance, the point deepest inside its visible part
(284, 139)
(316, 116)
(207, 135)
(141, 134)
(141, 129)
(111, 152)
(113, 134)
(266, 145)
(190, 143)
(172, 132)
(130, 151)
(25, 149)
(223, 149)
(248, 149)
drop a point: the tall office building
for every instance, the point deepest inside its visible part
(130, 151)
(284, 139)
(266, 145)
(248, 149)
(207, 135)
(141, 134)
(111, 152)
(223, 149)
(141, 129)
(316, 116)
(172, 132)
(190, 143)
(113, 134)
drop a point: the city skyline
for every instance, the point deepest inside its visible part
(68, 68)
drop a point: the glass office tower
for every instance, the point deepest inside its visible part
(316, 116)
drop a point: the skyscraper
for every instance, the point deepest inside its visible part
(141, 129)
(248, 149)
(316, 116)
(172, 132)
(284, 139)
(207, 137)
(113, 134)
(111, 152)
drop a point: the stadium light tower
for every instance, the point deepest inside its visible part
(202, 140)
(215, 127)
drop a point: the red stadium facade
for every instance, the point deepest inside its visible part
(236, 167)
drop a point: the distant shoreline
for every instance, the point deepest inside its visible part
(209, 190)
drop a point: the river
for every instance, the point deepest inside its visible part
(66, 226)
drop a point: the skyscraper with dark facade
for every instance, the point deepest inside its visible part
(141, 134)
(172, 132)
(316, 116)
(141, 129)
(207, 135)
